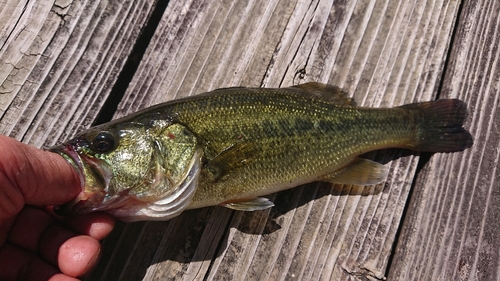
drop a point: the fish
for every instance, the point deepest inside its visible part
(232, 146)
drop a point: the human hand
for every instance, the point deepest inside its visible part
(35, 244)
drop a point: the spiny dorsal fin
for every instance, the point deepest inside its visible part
(230, 88)
(328, 93)
(237, 155)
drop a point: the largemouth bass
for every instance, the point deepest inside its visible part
(230, 146)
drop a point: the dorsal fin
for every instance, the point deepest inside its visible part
(230, 88)
(328, 93)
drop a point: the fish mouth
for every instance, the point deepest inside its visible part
(68, 152)
(94, 176)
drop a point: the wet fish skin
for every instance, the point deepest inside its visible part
(230, 146)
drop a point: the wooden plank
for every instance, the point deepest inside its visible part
(59, 62)
(385, 53)
(451, 228)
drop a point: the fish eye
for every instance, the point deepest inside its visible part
(103, 142)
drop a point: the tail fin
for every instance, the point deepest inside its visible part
(440, 126)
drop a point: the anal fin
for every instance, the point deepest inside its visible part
(359, 172)
(255, 204)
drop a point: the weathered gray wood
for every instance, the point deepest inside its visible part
(451, 231)
(59, 61)
(385, 53)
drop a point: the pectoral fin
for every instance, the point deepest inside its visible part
(255, 204)
(359, 172)
(237, 155)
(328, 93)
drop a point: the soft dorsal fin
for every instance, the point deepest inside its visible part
(236, 155)
(328, 93)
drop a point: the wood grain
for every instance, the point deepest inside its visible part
(437, 220)
(385, 53)
(451, 230)
(60, 60)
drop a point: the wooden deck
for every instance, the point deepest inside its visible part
(66, 65)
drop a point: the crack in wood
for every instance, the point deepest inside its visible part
(134, 59)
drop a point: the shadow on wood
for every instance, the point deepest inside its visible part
(186, 240)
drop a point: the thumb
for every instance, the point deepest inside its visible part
(29, 175)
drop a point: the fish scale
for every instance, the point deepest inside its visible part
(346, 132)
(230, 146)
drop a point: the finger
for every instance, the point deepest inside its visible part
(62, 277)
(51, 240)
(32, 176)
(95, 225)
(5, 229)
(20, 264)
(29, 227)
(36, 230)
(74, 255)
(78, 255)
